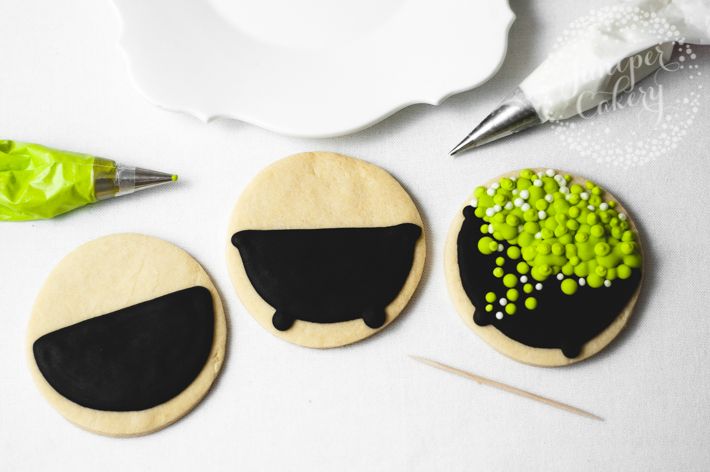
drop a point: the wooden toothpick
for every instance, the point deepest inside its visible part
(507, 388)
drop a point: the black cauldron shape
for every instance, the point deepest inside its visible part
(328, 275)
(559, 321)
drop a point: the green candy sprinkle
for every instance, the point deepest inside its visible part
(491, 297)
(512, 294)
(522, 267)
(510, 280)
(530, 303)
(513, 252)
(489, 308)
(569, 286)
(528, 288)
(498, 272)
(623, 271)
(500, 261)
(510, 309)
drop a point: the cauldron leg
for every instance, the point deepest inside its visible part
(282, 321)
(571, 350)
(374, 317)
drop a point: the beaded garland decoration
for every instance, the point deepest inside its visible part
(548, 261)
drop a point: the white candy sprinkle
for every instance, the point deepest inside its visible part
(549, 198)
(513, 178)
(564, 190)
(508, 206)
(607, 283)
(518, 202)
(515, 191)
(490, 212)
(582, 281)
(550, 172)
(622, 217)
(525, 207)
(538, 286)
(474, 202)
(521, 228)
(500, 248)
(491, 192)
(541, 214)
(523, 279)
(590, 207)
(537, 183)
(584, 196)
(560, 276)
(495, 185)
(499, 315)
(540, 174)
(497, 208)
(490, 228)
(568, 196)
(538, 235)
(524, 194)
(503, 302)
(604, 206)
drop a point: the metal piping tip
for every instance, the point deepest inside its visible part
(514, 114)
(146, 178)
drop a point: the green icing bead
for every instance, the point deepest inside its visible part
(536, 193)
(510, 280)
(581, 270)
(491, 297)
(530, 215)
(528, 288)
(500, 261)
(499, 199)
(530, 303)
(569, 286)
(589, 184)
(510, 308)
(489, 308)
(595, 200)
(531, 227)
(565, 239)
(546, 233)
(576, 188)
(570, 250)
(529, 253)
(572, 225)
(527, 174)
(484, 229)
(513, 252)
(628, 236)
(560, 231)
(541, 204)
(573, 198)
(479, 192)
(568, 269)
(592, 219)
(595, 281)
(581, 237)
(616, 232)
(543, 248)
(550, 224)
(633, 261)
(512, 295)
(611, 273)
(597, 231)
(523, 183)
(522, 267)
(498, 218)
(498, 272)
(627, 247)
(601, 249)
(623, 271)
(507, 184)
(541, 272)
(512, 220)
(485, 244)
(479, 212)
(558, 249)
(600, 271)
(525, 239)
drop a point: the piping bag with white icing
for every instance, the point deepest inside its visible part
(608, 56)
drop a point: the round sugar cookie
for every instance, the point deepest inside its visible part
(544, 266)
(126, 335)
(325, 250)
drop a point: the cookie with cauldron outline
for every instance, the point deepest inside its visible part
(545, 267)
(127, 335)
(325, 250)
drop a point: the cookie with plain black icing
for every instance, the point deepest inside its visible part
(324, 249)
(544, 266)
(127, 335)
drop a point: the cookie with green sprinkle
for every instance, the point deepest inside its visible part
(546, 267)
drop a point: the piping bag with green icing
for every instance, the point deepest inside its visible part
(37, 182)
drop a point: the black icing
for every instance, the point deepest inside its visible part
(134, 358)
(328, 275)
(559, 321)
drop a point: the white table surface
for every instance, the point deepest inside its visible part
(63, 82)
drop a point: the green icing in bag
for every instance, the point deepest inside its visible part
(37, 182)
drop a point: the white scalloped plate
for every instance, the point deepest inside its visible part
(310, 68)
